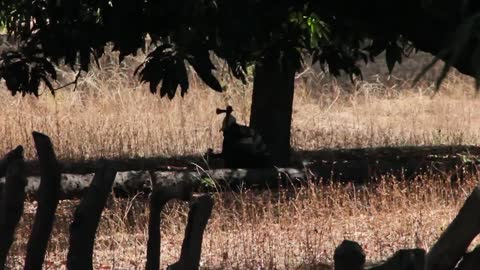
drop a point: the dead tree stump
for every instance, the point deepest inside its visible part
(158, 199)
(87, 217)
(198, 217)
(48, 194)
(349, 255)
(12, 201)
(405, 259)
(454, 241)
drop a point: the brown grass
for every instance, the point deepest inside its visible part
(106, 117)
(290, 229)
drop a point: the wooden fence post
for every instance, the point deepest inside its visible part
(87, 217)
(471, 261)
(9, 157)
(158, 199)
(198, 217)
(48, 194)
(349, 255)
(12, 201)
(454, 241)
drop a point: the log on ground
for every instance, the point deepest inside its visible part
(132, 182)
(357, 165)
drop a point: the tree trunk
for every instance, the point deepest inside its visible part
(271, 111)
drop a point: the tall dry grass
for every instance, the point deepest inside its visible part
(111, 115)
(290, 229)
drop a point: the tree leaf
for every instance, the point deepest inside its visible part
(377, 47)
(208, 78)
(170, 82)
(393, 55)
(182, 76)
(476, 66)
(200, 61)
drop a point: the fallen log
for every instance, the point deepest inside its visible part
(128, 183)
(454, 241)
(356, 165)
(125, 164)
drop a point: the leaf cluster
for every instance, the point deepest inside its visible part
(337, 34)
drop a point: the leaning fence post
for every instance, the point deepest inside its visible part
(12, 200)
(87, 217)
(454, 241)
(158, 199)
(48, 195)
(471, 260)
(198, 217)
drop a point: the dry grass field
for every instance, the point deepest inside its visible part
(289, 229)
(112, 115)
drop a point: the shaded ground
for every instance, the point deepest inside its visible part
(357, 165)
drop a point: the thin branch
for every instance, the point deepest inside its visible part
(74, 82)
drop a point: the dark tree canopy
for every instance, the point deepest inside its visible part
(337, 34)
